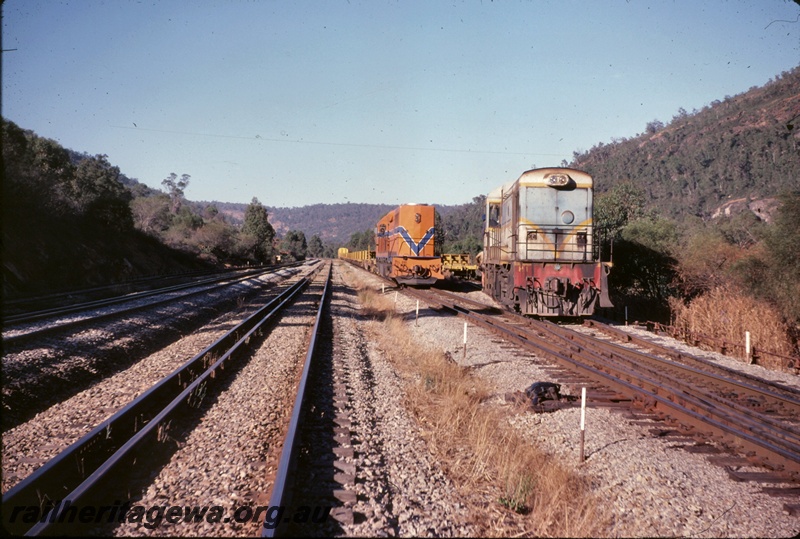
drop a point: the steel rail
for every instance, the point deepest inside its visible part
(683, 357)
(788, 398)
(658, 366)
(682, 407)
(144, 416)
(96, 290)
(112, 290)
(281, 490)
(635, 364)
(95, 304)
(22, 337)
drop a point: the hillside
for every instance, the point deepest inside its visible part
(746, 146)
(333, 223)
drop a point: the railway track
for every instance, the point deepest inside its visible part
(94, 463)
(15, 306)
(756, 420)
(335, 451)
(41, 371)
(23, 327)
(357, 452)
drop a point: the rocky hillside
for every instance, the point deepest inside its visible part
(742, 147)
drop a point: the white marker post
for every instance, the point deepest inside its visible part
(747, 350)
(465, 340)
(583, 419)
(417, 317)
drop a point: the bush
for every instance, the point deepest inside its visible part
(726, 313)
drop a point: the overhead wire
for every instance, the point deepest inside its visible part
(328, 143)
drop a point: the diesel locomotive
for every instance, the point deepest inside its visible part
(540, 254)
(404, 247)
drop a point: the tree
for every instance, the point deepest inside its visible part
(654, 126)
(151, 214)
(215, 239)
(704, 262)
(615, 209)
(462, 229)
(260, 232)
(98, 193)
(644, 264)
(294, 245)
(176, 189)
(660, 235)
(361, 241)
(315, 246)
(37, 174)
(783, 257)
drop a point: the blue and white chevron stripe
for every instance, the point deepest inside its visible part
(414, 246)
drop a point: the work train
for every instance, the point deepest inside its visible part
(540, 254)
(404, 247)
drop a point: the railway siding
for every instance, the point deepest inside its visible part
(647, 481)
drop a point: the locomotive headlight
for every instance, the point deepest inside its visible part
(567, 217)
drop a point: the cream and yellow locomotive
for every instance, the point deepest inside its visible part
(541, 256)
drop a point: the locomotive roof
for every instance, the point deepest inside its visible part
(536, 178)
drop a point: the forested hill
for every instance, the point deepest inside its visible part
(333, 223)
(742, 146)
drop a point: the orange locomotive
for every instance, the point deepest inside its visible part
(404, 246)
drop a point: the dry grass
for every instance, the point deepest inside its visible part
(528, 492)
(725, 313)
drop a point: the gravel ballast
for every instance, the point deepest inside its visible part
(649, 486)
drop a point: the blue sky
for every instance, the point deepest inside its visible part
(379, 101)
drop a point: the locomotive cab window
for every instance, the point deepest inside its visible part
(494, 215)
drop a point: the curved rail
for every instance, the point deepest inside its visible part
(775, 441)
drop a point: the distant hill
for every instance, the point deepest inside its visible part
(333, 223)
(743, 147)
